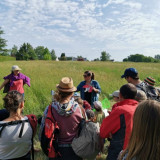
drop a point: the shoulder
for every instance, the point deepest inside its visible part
(8, 76)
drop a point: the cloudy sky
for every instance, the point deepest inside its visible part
(84, 27)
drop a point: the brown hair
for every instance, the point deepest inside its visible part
(128, 91)
(79, 101)
(89, 73)
(145, 140)
(12, 101)
(59, 96)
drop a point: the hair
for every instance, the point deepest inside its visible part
(145, 140)
(128, 91)
(12, 101)
(90, 114)
(60, 96)
(89, 73)
(79, 101)
(141, 96)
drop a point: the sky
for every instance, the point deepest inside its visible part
(84, 27)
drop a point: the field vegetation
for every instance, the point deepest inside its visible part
(46, 74)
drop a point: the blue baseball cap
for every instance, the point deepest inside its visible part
(130, 72)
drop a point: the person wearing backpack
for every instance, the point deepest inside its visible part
(118, 125)
(16, 131)
(66, 116)
(147, 86)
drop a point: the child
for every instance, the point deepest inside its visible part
(141, 96)
(150, 81)
(99, 114)
(115, 96)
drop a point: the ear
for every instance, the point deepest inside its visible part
(22, 105)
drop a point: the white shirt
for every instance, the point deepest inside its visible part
(11, 146)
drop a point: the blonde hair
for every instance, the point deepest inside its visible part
(145, 139)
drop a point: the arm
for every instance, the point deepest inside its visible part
(110, 124)
(27, 81)
(79, 87)
(4, 83)
(97, 88)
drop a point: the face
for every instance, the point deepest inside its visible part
(116, 99)
(86, 77)
(128, 79)
(16, 72)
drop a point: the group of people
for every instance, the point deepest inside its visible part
(132, 125)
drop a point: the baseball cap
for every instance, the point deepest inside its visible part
(115, 94)
(130, 72)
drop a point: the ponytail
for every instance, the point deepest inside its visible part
(92, 77)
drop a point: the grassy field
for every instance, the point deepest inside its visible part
(7, 58)
(46, 74)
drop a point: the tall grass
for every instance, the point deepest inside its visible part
(46, 74)
(7, 58)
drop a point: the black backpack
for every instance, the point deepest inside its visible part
(150, 91)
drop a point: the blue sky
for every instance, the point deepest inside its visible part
(84, 27)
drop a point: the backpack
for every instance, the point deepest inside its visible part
(87, 145)
(32, 120)
(150, 91)
(48, 134)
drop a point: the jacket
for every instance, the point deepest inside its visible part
(95, 95)
(119, 124)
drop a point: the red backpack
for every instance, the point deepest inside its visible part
(49, 133)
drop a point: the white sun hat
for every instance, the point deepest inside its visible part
(15, 68)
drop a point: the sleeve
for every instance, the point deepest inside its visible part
(7, 77)
(86, 105)
(79, 87)
(98, 87)
(27, 81)
(110, 124)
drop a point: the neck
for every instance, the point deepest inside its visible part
(135, 82)
(16, 115)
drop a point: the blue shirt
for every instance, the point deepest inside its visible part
(94, 95)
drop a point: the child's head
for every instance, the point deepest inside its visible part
(79, 101)
(97, 106)
(90, 115)
(150, 81)
(115, 96)
(141, 96)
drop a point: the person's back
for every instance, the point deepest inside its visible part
(118, 125)
(11, 146)
(16, 131)
(145, 139)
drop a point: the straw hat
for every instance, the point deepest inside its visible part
(15, 68)
(66, 85)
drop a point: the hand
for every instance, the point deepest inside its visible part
(95, 90)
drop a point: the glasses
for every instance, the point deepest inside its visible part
(85, 76)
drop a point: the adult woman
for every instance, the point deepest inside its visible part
(89, 88)
(15, 131)
(16, 80)
(67, 114)
(144, 141)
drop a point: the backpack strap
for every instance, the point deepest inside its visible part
(33, 122)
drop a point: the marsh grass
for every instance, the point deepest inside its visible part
(46, 74)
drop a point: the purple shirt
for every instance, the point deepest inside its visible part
(12, 77)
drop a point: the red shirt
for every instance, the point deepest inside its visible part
(18, 86)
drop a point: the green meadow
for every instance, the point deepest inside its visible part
(46, 74)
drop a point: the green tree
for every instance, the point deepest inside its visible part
(157, 56)
(53, 55)
(26, 52)
(47, 54)
(63, 57)
(40, 52)
(3, 44)
(105, 56)
(14, 51)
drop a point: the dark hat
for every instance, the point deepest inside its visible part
(130, 72)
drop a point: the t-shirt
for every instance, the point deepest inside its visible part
(87, 96)
(11, 146)
(18, 86)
